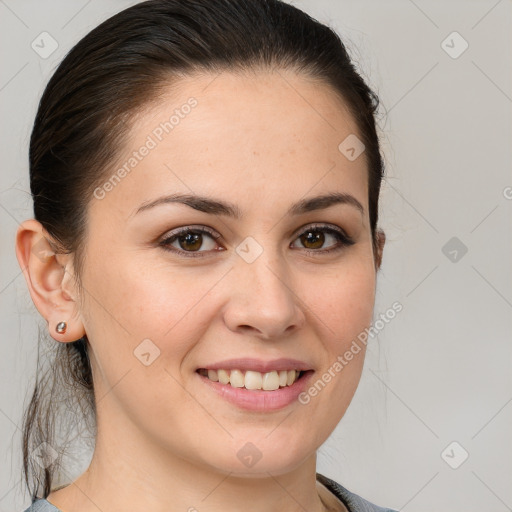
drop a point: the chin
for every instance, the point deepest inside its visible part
(258, 458)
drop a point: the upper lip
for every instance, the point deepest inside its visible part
(258, 365)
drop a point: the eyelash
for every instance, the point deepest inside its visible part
(342, 239)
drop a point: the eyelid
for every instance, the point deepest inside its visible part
(321, 225)
(190, 227)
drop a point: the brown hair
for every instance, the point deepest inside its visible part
(83, 119)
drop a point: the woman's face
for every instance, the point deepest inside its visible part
(254, 286)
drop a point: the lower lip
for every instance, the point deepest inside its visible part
(257, 399)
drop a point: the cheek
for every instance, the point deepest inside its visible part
(343, 302)
(133, 300)
(340, 310)
(142, 323)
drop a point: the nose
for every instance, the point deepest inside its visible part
(262, 299)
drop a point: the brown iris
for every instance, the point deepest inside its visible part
(310, 237)
(192, 242)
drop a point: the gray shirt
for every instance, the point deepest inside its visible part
(353, 502)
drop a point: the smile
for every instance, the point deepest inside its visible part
(249, 379)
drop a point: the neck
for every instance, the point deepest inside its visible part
(127, 474)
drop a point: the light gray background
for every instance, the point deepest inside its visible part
(441, 370)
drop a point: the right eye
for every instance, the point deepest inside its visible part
(190, 240)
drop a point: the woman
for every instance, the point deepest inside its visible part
(205, 177)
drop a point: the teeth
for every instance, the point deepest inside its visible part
(236, 378)
(253, 380)
(223, 376)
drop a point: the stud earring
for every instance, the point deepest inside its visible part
(61, 327)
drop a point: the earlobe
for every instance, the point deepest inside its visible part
(49, 280)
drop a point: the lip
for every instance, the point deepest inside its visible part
(259, 400)
(258, 365)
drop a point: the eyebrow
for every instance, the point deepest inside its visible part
(217, 207)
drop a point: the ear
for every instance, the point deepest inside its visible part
(50, 280)
(381, 240)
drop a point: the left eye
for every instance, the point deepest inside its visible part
(190, 240)
(316, 235)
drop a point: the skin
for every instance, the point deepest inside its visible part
(164, 440)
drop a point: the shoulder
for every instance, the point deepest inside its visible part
(353, 502)
(41, 505)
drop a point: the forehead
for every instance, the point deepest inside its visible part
(254, 136)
